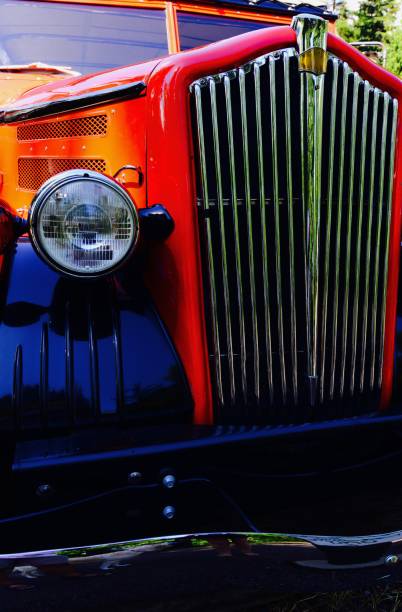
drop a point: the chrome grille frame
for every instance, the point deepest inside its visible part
(263, 356)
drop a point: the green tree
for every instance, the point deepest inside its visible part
(374, 19)
(345, 25)
(394, 51)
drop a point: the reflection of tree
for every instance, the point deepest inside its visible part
(166, 396)
(57, 411)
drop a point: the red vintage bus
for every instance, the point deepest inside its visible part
(200, 353)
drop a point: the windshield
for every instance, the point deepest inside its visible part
(196, 30)
(84, 38)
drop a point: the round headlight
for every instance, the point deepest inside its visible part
(83, 223)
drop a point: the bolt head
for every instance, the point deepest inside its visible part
(134, 477)
(169, 481)
(391, 559)
(169, 512)
(44, 489)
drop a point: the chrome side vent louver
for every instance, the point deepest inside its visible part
(295, 176)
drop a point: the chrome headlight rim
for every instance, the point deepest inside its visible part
(58, 181)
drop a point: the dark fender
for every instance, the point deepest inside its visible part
(76, 353)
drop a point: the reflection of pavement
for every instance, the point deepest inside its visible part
(185, 577)
(113, 560)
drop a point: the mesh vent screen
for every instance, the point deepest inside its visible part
(70, 128)
(33, 172)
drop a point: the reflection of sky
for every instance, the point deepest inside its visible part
(86, 38)
(197, 30)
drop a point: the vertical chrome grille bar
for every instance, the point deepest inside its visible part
(289, 185)
(239, 280)
(331, 148)
(388, 230)
(374, 123)
(348, 232)
(275, 185)
(264, 247)
(226, 296)
(367, 88)
(386, 99)
(250, 238)
(313, 95)
(346, 72)
(210, 250)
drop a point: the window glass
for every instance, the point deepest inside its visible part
(196, 30)
(86, 38)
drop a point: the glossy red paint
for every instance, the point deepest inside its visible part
(174, 273)
(383, 79)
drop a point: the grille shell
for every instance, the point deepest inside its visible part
(253, 239)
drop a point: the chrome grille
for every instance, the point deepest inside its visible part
(295, 293)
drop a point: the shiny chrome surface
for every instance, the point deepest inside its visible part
(228, 323)
(377, 94)
(311, 32)
(350, 202)
(312, 93)
(307, 230)
(374, 340)
(46, 211)
(278, 266)
(250, 236)
(119, 574)
(388, 230)
(211, 262)
(261, 179)
(359, 235)
(330, 179)
(239, 282)
(289, 188)
(346, 72)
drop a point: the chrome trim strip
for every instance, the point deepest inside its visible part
(72, 103)
(377, 94)
(334, 96)
(226, 295)
(367, 88)
(346, 72)
(256, 356)
(210, 254)
(345, 311)
(112, 550)
(267, 315)
(289, 186)
(239, 281)
(313, 93)
(275, 184)
(378, 239)
(388, 230)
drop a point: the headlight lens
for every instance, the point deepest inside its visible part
(83, 223)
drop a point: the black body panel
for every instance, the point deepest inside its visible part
(74, 354)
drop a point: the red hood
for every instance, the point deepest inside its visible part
(82, 85)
